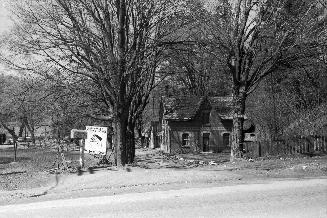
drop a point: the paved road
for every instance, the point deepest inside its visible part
(296, 198)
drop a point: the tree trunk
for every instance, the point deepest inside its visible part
(121, 112)
(33, 137)
(237, 132)
(130, 143)
(120, 136)
(31, 130)
(141, 137)
(21, 129)
(120, 132)
(14, 137)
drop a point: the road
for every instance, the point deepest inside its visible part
(288, 198)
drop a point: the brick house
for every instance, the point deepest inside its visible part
(195, 124)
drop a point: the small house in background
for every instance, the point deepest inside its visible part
(188, 124)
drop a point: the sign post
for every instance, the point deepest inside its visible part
(81, 151)
(81, 135)
(92, 140)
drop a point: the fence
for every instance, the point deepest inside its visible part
(297, 145)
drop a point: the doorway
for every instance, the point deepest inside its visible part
(226, 142)
(205, 140)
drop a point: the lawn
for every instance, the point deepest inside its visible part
(34, 166)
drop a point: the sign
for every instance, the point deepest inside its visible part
(96, 140)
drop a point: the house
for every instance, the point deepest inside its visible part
(190, 123)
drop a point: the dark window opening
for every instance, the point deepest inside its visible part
(206, 141)
(185, 140)
(206, 117)
(226, 139)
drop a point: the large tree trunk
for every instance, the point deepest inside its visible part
(121, 112)
(130, 143)
(238, 121)
(120, 140)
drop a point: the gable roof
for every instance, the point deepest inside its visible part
(185, 108)
(181, 108)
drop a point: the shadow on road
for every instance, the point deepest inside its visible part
(46, 192)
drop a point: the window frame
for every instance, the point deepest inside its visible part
(186, 140)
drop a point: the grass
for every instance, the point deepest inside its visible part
(33, 166)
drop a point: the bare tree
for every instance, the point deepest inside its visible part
(196, 71)
(114, 44)
(8, 114)
(253, 39)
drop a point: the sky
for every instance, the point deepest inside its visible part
(5, 25)
(5, 21)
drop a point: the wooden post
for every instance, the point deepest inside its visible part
(290, 147)
(306, 146)
(81, 135)
(81, 149)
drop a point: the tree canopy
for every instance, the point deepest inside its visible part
(116, 52)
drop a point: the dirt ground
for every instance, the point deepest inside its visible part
(33, 177)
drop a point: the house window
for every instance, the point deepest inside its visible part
(185, 140)
(206, 117)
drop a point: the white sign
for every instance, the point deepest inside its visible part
(96, 140)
